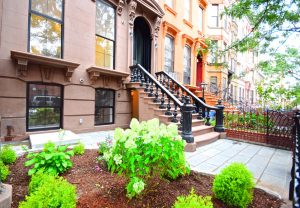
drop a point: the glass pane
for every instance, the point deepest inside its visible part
(40, 118)
(187, 65)
(169, 54)
(103, 116)
(104, 53)
(187, 6)
(200, 19)
(169, 3)
(52, 8)
(104, 98)
(44, 95)
(105, 20)
(45, 37)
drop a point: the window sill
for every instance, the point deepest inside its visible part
(171, 10)
(188, 23)
(95, 72)
(25, 58)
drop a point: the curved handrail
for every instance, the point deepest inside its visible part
(156, 82)
(192, 95)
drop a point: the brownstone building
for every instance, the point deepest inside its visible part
(63, 63)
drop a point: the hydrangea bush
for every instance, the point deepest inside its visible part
(144, 151)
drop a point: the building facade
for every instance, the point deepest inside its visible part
(181, 38)
(63, 63)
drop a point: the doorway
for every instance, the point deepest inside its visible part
(199, 70)
(142, 43)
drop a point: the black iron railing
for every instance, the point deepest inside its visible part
(295, 173)
(166, 100)
(203, 110)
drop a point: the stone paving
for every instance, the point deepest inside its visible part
(270, 167)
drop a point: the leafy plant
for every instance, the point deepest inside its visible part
(79, 149)
(8, 155)
(144, 151)
(234, 185)
(52, 160)
(192, 201)
(4, 171)
(105, 145)
(49, 191)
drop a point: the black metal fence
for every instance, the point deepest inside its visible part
(295, 173)
(268, 127)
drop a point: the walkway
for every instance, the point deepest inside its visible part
(270, 167)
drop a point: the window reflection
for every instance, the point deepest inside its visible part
(187, 65)
(44, 106)
(105, 34)
(104, 106)
(46, 27)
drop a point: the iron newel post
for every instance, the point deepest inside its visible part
(187, 110)
(220, 117)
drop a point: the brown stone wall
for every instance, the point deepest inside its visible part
(78, 47)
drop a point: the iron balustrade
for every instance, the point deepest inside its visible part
(203, 110)
(295, 173)
(162, 95)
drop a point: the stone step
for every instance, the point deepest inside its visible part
(167, 119)
(195, 122)
(200, 130)
(207, 138)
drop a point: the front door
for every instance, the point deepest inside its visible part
(199, 71)
(142, 43)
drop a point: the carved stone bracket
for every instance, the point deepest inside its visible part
(22, 68)
(131, 13)
(120, 7)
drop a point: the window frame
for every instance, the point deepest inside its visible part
(61, 22)
(115, 33)
(173, 53)
(61, 106)
(113, 107)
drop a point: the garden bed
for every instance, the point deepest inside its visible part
(96, 187)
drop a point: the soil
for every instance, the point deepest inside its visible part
(96, 187)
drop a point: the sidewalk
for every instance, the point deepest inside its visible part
(270, 167)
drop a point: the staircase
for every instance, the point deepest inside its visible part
(212, 99)
(164, 98)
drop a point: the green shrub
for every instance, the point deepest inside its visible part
(79, 149)
(4, 171)
(52, 160)
(193, 201)
(146, 150)
(49, 191)
(234, 185)
(105, 145)
(8, 155)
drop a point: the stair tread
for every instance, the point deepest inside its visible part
(193, 121)
(197, 128)
(207, 136)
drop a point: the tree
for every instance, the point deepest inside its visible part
(270, 19)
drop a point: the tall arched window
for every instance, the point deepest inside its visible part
(187, 64)
(187, 10)
(169, 54)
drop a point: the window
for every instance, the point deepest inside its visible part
(233, 65)
(105, 34)
(214, 51)
(104, 106)
(187, 10)
(224, 87)
(187, 64)
(44, 106)
(225, 22)
(46, 26)
(213, 84)
(170, 3)
(251, 96)
(200, 19)
(214, 18)
(169, 54)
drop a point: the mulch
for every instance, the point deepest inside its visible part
(96, 187)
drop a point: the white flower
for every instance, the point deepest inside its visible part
(130, 144)
(138, 186)
(118, 159)
(107, 155)
(147, 139)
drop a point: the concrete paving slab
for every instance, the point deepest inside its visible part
(217, 160)
(206, 168)
(239, 159)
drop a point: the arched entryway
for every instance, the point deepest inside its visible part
(199, 70)
(142, 43)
